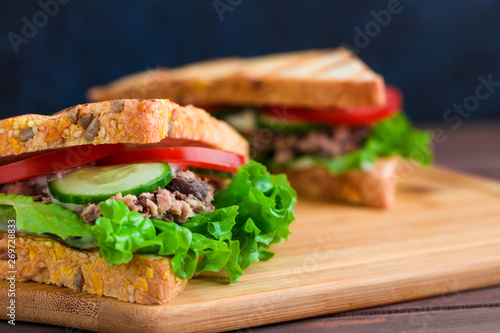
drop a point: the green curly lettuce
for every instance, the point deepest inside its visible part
(39, 218)
(120, 233)
(391, 137)
(265, 204)
(251, 214)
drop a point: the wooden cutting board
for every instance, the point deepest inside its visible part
(443, 236)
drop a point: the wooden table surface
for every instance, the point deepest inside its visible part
(474, 148)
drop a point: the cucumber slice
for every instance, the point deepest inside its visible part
(288, 126)
(96, 184)
(223, 112)
(241, 118)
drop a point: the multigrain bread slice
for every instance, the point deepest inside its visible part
(310, 79)
(375, 187)
(130, 121)
(146, 279)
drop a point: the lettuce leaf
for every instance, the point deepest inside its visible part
(39, 218)
(120, 233)
(265, 204)
(391, 137)
(7, 213)
(251, 214)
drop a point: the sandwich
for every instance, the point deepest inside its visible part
(322, 116)
(131, 198)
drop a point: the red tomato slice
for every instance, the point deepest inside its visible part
(55, 161)
(355, 115)
(206, 158)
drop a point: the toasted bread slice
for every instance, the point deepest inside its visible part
(310, 79)
(146, 279)
(129, 121)
(376, 187)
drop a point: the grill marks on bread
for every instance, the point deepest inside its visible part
(333, 78)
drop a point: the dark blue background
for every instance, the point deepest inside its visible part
(433, 50)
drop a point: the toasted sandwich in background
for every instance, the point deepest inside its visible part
(321, 116)
(130, 198)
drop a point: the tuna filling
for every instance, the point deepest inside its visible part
(185, 195)
(284, 147)
(182, 198)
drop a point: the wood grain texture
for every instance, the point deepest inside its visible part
(457, 321)
(442, 237)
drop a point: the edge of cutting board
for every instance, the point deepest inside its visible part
(264, 305)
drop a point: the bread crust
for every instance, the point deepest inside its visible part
(144, 280)
(131, 121)
(375, 187)
(239, 84)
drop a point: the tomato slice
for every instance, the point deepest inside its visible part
(206, 158)
(355, 115)
(55, 161)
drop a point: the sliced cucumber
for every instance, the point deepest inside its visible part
(242, 119)
(288, 126)
(96, 184)
(223, 112)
